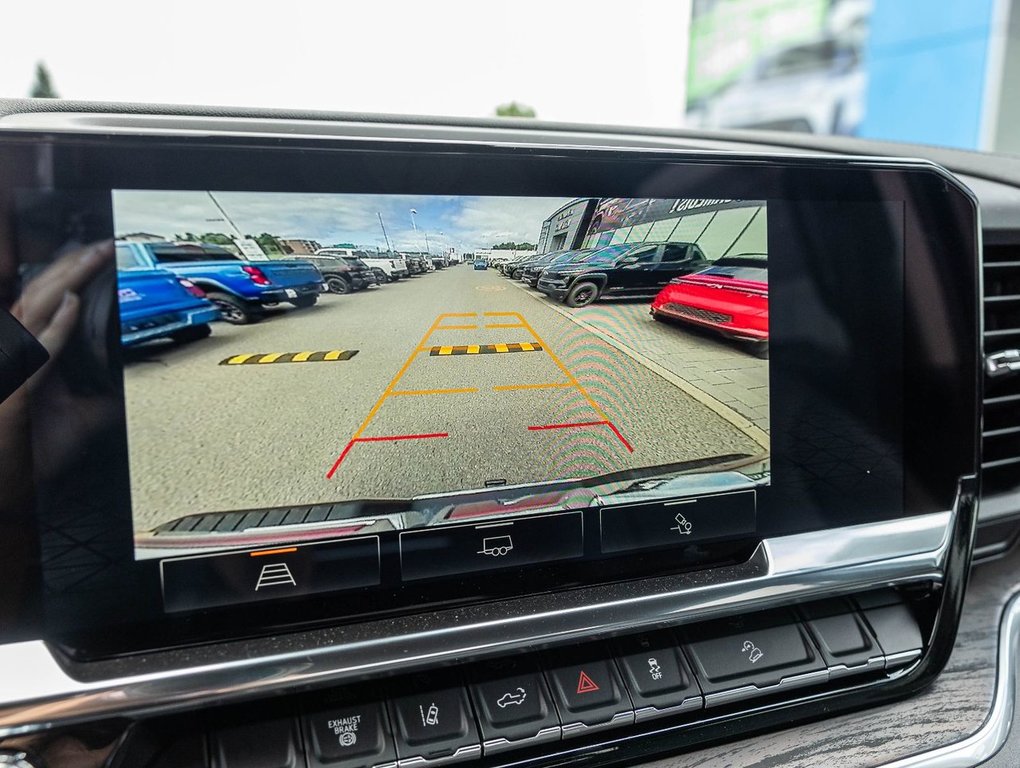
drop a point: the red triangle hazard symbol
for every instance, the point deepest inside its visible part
(585, 684)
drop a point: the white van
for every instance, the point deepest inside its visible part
(393, 267)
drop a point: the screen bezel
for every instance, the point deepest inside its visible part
(941, 243)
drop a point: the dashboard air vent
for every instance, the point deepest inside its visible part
(1001, 462)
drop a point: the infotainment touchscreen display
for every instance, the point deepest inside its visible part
(273, 413)
(311, 381)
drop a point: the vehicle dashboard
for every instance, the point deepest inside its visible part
(913, 687)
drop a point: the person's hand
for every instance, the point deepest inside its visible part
(48, 306)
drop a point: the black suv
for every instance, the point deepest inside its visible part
(534, 270)
(343, 274)
(624, 270)
(516, 270)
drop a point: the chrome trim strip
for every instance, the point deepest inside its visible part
(687, 705)
(989, 738)
(41, 689)
(463, 753)
(583, 729)
(492, 746)
(745, 692)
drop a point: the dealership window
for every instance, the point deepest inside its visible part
(599, 239)
(620, 235)
(754, 238)
(639, 233)
(689, 228)
(723, 231)
(661, 230)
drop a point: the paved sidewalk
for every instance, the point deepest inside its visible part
(721, 370)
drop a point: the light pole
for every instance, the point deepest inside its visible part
(414, 226)
(228, 219)
(385, 236)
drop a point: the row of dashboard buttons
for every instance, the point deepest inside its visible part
(224, 579)
(520, 701)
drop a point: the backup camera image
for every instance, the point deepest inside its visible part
(308, 367)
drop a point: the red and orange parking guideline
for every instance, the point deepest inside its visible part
(437, 325)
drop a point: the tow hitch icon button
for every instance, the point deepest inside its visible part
(683, 525)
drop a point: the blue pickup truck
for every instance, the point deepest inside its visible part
(156, 304)
(241, 289)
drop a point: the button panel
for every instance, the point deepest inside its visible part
(537, 699)
(844, 639)
(349, 736)
(588, 690)
(513, 705)
(897, 633)
(628, 527)
(749, 655)
(434, 726)
(209, 581)
(259, 744)
(657, 675)
(453, 550)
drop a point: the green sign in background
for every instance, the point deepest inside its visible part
(728, 36)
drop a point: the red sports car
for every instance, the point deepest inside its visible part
(731, 296)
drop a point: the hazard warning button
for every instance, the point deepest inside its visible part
(588, 690)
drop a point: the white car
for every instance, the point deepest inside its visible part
(393, 267)
(815, 87)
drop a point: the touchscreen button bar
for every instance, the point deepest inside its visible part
(208, 581)
(677, 522)
(451, 550)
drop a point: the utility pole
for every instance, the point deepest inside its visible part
(428, 250)
(385, 236)
(227, 218)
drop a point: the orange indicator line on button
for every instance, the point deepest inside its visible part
(262, 552)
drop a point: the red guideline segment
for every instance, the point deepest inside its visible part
(588, 424)
(347, 448)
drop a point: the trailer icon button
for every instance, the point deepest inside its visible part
(496, 546)
(455, 549)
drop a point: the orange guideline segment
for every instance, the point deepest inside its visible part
(390, 390)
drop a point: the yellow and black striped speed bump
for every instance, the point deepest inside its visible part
(485, 349)
(262, 358)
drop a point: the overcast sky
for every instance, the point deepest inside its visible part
(464, 223)
(572, 60)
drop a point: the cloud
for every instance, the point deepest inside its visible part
(464, 223)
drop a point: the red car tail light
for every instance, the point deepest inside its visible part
(257, 275)
(191, 288)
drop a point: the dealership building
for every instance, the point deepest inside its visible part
(566, 228)
(719, 227)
